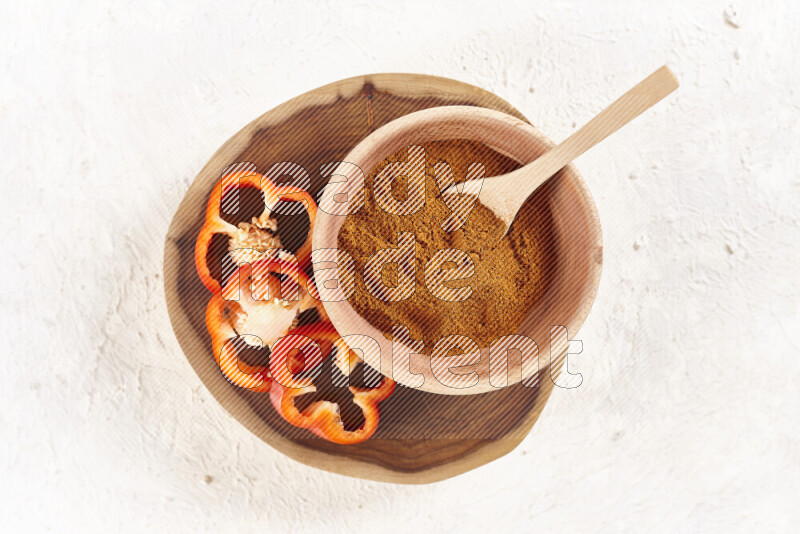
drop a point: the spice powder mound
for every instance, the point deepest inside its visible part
(510, 272)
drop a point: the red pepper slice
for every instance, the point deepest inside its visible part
(250, 283)
(323, 417)
(214, 224)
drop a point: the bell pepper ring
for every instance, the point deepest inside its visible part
(260, 232)
(322, 417)
(260, 317)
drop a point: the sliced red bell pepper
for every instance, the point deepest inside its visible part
(323, 417)
(241, 303)
(227, 319)
(214, 224)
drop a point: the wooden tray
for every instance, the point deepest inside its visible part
(423, 437)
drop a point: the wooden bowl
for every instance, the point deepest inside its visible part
(574, 259)
(422, 437)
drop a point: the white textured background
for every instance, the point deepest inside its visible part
(687, 419)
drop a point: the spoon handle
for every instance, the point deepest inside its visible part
(637, 100)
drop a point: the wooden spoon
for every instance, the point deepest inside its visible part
(505, 194)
